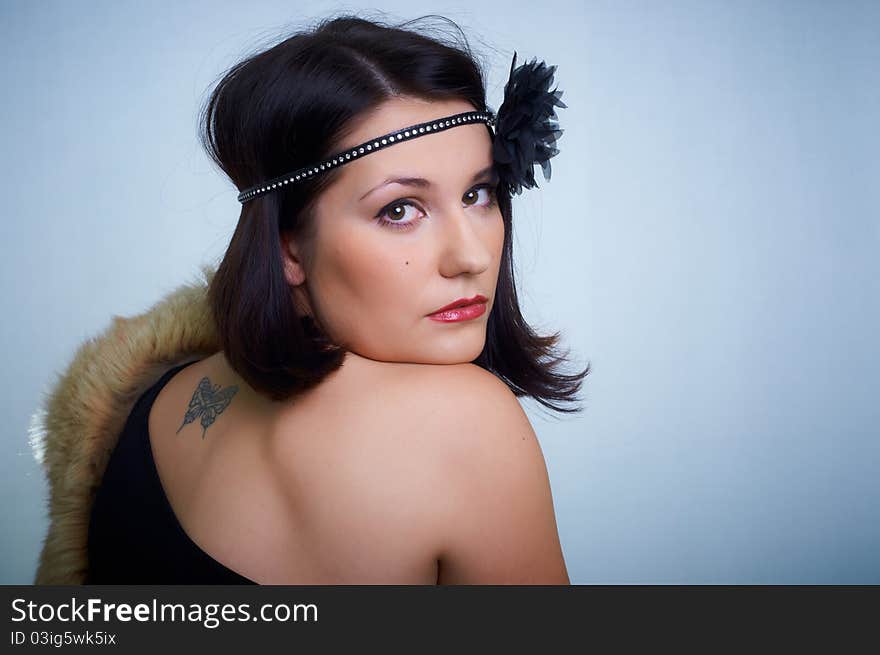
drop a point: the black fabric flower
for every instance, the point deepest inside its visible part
(526, 130)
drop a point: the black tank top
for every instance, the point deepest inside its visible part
(134, 536)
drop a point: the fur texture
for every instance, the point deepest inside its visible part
(75, 430)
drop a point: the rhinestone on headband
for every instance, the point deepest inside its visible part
(367, 147)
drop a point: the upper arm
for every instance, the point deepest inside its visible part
(496, 508)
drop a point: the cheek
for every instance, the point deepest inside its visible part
(495, 237)
(500, 235)
(363, 274)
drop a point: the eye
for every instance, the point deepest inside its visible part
(397, 217)
(482, 195)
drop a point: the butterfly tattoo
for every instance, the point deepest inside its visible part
(207, 401)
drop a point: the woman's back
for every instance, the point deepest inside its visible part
(308, 491)
(369, 478)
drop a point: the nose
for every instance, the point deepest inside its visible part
(465, 246)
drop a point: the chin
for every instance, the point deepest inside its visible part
(453, 353)
(444, 349)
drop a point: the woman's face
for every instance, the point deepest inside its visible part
(387, 253)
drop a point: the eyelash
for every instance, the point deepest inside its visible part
(397, 225)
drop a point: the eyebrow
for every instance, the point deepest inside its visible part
(489, 174)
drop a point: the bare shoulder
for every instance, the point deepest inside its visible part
(464, 408)
(466, 383)
(495, 517)
(440, 459)
(472, 407)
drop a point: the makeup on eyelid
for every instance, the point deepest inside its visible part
(488, 174)
(490, 187)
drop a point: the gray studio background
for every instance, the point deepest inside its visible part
(708, 243)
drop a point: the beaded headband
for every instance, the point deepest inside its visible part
(372, 145)
(526, 133)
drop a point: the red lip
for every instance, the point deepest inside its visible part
(461, 302)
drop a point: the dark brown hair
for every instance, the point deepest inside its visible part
(289, 106)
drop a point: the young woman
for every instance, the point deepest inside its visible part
(352, 415)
